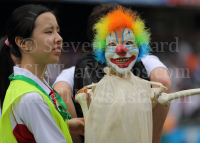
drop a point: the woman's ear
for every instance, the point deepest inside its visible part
(23, 44)
(20, 43)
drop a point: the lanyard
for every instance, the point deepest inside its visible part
(61, 108)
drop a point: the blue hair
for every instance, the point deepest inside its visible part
(144, 50)
(100, 56)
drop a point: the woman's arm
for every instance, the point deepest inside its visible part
(158, 72)
(160, 111)
(36, 116)
(65, 91)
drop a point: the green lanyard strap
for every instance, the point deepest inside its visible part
(61, 104)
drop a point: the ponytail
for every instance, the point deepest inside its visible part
(6, 68)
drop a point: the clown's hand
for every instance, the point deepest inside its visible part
(157, 91)
(76, 126)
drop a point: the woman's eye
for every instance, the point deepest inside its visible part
(112, 44)
(48, 32)
(129, 43)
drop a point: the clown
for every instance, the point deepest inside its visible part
(120, 41)
(118, 109)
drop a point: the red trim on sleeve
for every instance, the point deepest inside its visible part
(23, 135)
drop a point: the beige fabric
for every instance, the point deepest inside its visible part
(121, 108)
(120, 111)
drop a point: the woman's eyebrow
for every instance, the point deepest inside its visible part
(51, 27)
(48, 27)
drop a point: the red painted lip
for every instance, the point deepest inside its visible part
(124, 65)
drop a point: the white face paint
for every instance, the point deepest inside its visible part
(121, 51)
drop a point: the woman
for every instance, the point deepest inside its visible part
(32, 110)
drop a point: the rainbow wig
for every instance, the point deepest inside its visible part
(114, 20)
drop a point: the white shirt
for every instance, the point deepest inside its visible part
(33, 112)
(150, 62)
(67, 75)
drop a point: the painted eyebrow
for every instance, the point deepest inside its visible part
(127, 32)
(113, 39)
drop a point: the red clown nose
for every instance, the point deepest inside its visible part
(121, 50)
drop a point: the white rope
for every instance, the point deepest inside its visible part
(164, 98)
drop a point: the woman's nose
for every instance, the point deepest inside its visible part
(58, 38)
(121, 50)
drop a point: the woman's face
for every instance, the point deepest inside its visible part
(46, 41)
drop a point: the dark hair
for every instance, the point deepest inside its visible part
(21, 23)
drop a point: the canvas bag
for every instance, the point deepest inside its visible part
(120, 111)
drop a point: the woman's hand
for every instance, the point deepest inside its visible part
(76, 126)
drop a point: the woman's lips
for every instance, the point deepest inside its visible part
(57, 50)
(123, 62)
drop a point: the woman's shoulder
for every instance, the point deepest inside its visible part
(30, 103)
(71, 70)
(66, 75)
(31, 97)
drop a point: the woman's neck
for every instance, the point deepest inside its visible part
(37, 69)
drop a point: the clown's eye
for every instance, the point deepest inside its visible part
(112, 44)
(129, 43)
